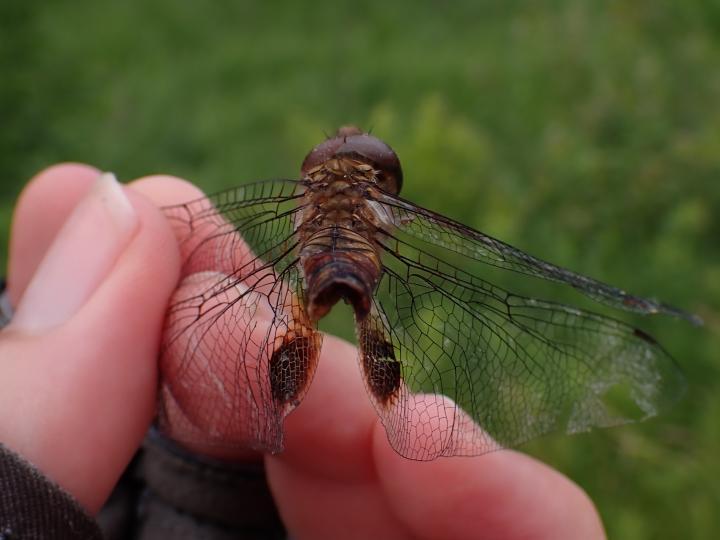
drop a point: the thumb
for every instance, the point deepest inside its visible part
(78, 371)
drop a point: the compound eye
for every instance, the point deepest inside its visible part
(329, 148)
(320, 154)
(380, 155)
(351, 141)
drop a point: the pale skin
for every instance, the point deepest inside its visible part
(78, 386)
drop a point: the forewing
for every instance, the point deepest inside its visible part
(518, 366)
(238, 349)
(424, 227)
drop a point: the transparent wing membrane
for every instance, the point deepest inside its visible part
(426, 227)
(519, 367)
(239, 351)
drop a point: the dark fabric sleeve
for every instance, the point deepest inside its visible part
(33, 507)
(190, 497)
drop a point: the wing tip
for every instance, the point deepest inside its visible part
(692, 318)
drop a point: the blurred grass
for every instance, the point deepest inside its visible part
(584, 132)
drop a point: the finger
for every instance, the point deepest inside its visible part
(215, 390)
(214, 366)
(41, 210)
(324, 482)
(201, 231)
(502, 494)
(330, 433)
(313, 506)
(166, 190)
(219, 344)
(87, 245)
(86, 387)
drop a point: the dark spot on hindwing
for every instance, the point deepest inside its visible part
(382, 369)
(290, 369)
(644, 335)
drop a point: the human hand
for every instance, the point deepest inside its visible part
(86, 388)
(90, 270)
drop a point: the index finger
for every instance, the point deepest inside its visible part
(215, 348)
(334, 423)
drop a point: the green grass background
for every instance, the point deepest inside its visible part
(584, 132)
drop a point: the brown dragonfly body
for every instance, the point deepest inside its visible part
(338, 231)
(338, 255)
(454, 363)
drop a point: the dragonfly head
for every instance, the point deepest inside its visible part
(351, 142)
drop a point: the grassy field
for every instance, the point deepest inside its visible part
(584, 132)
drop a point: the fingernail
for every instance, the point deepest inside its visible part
(81, 256)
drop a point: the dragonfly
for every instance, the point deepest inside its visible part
(453, 363)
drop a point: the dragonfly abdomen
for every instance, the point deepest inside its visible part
(338, 263)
